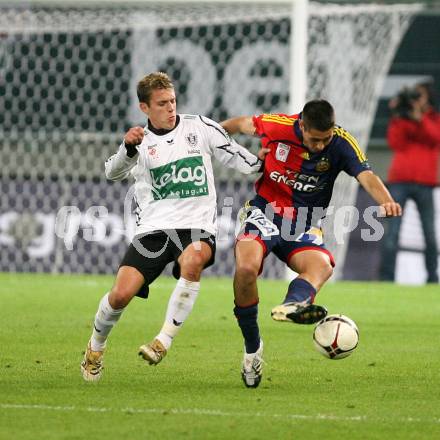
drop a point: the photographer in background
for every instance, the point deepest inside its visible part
(414, 136)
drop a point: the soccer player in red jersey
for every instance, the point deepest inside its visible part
(307, 151)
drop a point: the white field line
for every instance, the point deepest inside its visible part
(217, 413)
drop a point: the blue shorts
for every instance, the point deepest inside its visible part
(280, 235)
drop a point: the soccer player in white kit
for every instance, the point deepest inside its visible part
(170, 159)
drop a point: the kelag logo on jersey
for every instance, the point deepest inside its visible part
(180, 179)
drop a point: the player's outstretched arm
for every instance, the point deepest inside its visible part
(227, 151)
(240, 124)
(234, 155)
(377, 190)
(244, 125)
(118, 166)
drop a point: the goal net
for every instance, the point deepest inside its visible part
(67, 90)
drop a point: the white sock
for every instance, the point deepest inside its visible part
(106, 317)
(179, 307)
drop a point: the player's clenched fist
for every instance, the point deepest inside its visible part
(134, 136)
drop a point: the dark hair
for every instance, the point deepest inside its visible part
(428, 87)
(403, 104)
(153, 81)
(319, 115)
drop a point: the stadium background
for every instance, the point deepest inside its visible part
(67, 91)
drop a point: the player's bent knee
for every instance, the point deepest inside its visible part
(246, 271)
(193, 263)
(326, 271)
(120, 296)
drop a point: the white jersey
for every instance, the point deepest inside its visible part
(174, 186)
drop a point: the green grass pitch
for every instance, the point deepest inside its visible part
(389, 388)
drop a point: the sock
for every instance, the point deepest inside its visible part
(247, 320)
(180, 305)
(300, 290)
(106, 317)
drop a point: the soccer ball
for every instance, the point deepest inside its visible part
(336, 336)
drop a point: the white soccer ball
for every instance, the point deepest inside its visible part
(336, 336)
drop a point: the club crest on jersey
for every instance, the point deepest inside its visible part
(323, 165)
(282, 152)
(191, 138)
(152, 149)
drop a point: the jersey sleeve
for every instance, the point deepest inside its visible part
(353, 159)
(227, 151)
(118, 166)
(259, 125)
(273, 125)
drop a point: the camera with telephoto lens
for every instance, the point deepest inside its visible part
(404, 103)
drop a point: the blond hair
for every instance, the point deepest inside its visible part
(153, 81)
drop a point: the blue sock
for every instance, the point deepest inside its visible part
(247, 320)
(300, 290)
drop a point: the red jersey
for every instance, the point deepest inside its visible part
(293, 176)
